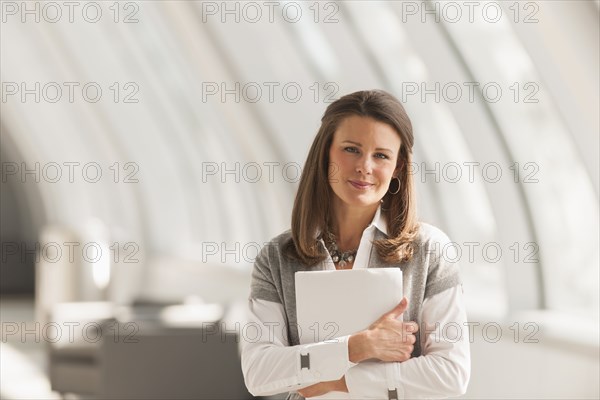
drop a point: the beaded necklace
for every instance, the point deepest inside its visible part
(336, 255)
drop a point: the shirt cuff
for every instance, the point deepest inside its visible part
(350, 363)
(324, 361)
(368, 380)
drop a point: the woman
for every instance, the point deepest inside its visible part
(355, 208)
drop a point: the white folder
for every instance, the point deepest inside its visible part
(334, 303)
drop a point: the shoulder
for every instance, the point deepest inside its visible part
(433, 244)
(430, 235)
(278, 245)
(439, 256)
(283, 237)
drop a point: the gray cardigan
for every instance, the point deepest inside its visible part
(425, 275)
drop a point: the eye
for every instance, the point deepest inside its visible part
(351, 149)
(382, 156)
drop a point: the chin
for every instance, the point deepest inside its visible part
(360, 201)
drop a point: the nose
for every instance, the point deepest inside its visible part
(364, 165)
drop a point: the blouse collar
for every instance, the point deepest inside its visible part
(378, 222)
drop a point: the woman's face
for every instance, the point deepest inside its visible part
(362, 161)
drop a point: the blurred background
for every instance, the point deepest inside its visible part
(149, 149)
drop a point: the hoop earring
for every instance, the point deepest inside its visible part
(397, 190)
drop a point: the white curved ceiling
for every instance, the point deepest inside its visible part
(187, 156)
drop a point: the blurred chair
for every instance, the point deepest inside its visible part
(56, 274)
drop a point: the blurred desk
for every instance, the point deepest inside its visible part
(154, 353)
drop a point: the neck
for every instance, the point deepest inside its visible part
(348, 224)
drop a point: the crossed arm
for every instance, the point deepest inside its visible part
(271, 366)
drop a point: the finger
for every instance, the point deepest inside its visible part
(410, 326)
(398, 310)
(407, 338)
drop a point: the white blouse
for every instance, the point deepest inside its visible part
(271, 366)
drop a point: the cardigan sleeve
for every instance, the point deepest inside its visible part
(443, 269)
(262, 286)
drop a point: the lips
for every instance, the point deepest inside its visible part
(361, 184)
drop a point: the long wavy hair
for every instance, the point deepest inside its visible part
(312, 205)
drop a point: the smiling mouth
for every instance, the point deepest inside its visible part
(359, 185)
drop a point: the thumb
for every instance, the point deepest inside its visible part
(399, 309)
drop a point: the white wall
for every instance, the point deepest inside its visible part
(562, 364)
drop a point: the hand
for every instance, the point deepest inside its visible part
(322, 388)
(390, 339)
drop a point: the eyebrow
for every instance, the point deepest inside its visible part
(360, 145)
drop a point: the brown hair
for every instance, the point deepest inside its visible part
(313, 199)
